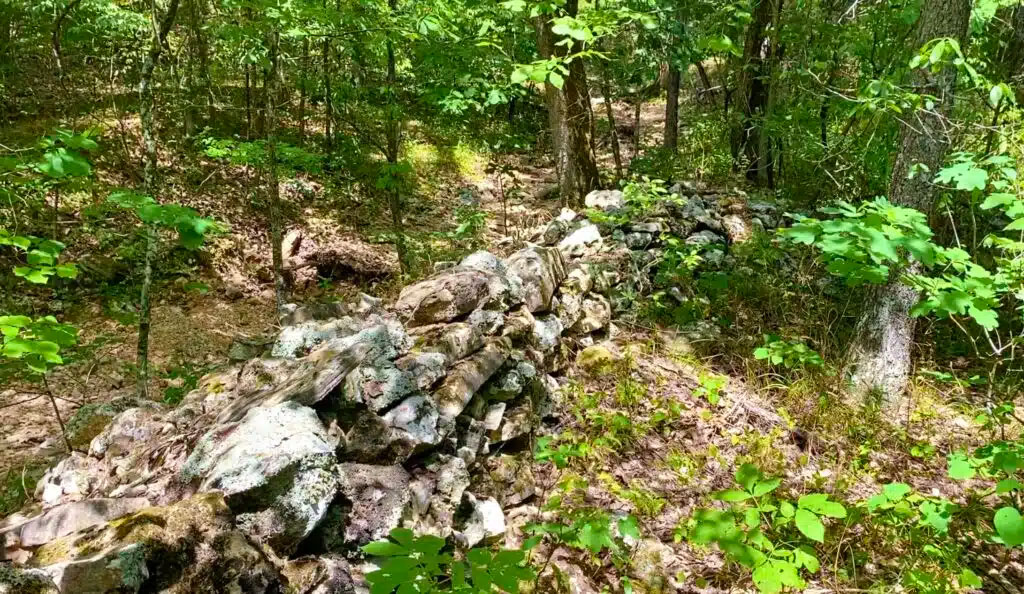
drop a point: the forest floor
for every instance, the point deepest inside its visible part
(662, 475)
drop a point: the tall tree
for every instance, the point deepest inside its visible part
(160, 29)
(671, 140)
(753, 91)
(273, 191)
(879, 358)
(570, 115)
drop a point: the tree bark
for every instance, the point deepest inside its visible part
(570, 117)
(149, 176)
(57, 34)
(273, 191)
(394, 146)
(328, 98)
(879, 358)
(754, 88)
(671, 140)
(302, 90)
(606, 91)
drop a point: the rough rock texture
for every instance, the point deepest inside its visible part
(276, 468)
(366, 416)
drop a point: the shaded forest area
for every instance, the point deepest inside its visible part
(729, 296)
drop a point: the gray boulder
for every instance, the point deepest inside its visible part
(485, 522)
(541, 270)
(454, 293)
(467, 377)
(597, 314)
(605, 200)
(276, 468)
(585, 240)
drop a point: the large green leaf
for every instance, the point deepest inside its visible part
(810, 525)
(1009, 526)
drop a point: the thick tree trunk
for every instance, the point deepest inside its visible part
(672, 109)
(570, 118)
(149, 174)
(273, 192)
(879, 358)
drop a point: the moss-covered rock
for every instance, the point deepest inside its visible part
(91, 419)
(190, 546)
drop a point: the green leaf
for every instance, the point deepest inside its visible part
(787, 509)
(1009, 526)
(804, 556)
(747, 475)
(809, 525)
(960, 467)
(384, 548)
(765, 487)
(732, 495)
(1003, 486)
(969, 579)
(896, 491)
(629, 528)
(556, 79)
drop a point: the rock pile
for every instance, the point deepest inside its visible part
(362, 419)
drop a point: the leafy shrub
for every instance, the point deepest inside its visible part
(791, 354)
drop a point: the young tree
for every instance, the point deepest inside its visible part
(273, 191)
(160, 29)
(760, 52)
(879, 357)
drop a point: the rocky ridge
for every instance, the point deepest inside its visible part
(364, 417)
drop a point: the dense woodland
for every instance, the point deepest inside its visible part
(809, 376)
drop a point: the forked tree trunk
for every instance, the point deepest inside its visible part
(160, 28)
(273, 192)
(671, 140)
(879, 358)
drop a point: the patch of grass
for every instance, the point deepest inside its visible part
(18, 484)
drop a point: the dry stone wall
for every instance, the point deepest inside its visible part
(364, 417)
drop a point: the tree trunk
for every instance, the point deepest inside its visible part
(570, 118)
(671, 140)
(248, 101)
(879, 358)
(273, 192)
(1015, 49)
(328, 99)
(637, 108)
(606, 91)
(149, 176)
(394, 146)
(57, 34)
(302, 90)
(753, 94)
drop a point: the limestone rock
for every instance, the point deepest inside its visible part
(485, 522)
(378, 386)
(737, 229)
(454, 341)
(518, 323)
(276, 468)
(67, 518)
(467, 377)
(597, 314)
(14, 580)
(188, 547)
(423, 369)
(596, 359)
(605, 200)
(436, 492)
(546, 332)
(453, 293)
(378, 495)
(91, 419)
(586, 239)
(542, 270)
(704, 238)
(415, 421)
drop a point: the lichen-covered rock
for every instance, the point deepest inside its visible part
(423, 369)
(605, 200)
(415, 422)
(276, 468)
(569, 308)
(71, 479)
(704, 238)
(378, 495)
(15, 580)
(596, 359)
(467, 377)
(436, 492)
(325, 574)
(91, 419)
(547, 330)
(378, 386)
(541, 270)
(485, 522)
(737, 229)
(454, 293)
(188, 547)
(518, 323)
(585, 240)
(67, 518)
(597, 314)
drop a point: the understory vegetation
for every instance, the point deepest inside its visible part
(813, 377)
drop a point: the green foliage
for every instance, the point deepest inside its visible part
(791, 354)
(862, 244)
(418, 564)
(757, 529)
(35, 343)
(709, 387)
(41, 257)
(192, 229)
